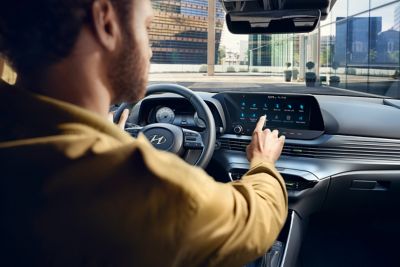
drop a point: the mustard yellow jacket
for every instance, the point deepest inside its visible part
(78, 191)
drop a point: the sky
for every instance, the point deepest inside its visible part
(232, 41)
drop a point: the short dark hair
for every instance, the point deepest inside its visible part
(35, 34)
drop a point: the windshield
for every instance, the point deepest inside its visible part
(355, 51)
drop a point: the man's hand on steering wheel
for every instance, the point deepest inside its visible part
(122, 120)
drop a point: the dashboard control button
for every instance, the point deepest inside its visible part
(238, 129)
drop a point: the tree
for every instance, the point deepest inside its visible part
(221, 54)
(372, 55)
(394, 56)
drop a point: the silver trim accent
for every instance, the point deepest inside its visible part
(333, 147)
(288, 239)
(159, 138)
(230, 176)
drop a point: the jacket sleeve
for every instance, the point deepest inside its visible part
(230, 224)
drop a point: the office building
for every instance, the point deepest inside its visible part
(179, 31)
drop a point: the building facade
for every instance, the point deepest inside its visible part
(260, 50)
(359, 41)
(365, 46)
(179, 31)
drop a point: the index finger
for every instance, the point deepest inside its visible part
(260, 124)
(123, 118)
(111, 116)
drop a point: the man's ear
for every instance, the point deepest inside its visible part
(105, 24)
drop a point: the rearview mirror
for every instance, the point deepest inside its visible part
(279, 21)
(275, 16)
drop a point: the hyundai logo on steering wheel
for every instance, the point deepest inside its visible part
(158, 139)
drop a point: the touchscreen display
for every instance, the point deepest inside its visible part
(289, 112)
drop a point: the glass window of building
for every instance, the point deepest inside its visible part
(384, 51)
(358, 48)
(179, 31)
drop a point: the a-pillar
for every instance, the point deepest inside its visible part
(302, 52)
(211, 38)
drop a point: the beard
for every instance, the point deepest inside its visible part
(128, 72)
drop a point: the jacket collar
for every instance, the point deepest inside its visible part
(24, 114)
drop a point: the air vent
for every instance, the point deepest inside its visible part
(338, 147)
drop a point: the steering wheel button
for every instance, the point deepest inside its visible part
(189, 145)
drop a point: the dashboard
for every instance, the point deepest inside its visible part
(236, 113)
(341, 154)
(339, 151)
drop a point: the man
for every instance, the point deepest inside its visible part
(78, 191)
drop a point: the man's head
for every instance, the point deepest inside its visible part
(37, 35)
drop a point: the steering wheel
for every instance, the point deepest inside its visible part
(194, 147)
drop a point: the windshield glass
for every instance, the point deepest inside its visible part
(355, 51)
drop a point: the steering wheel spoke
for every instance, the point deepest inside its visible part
(134, 130)
(192, 140)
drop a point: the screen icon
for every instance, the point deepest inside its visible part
(301, 107)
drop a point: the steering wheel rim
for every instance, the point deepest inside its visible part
(208, 136)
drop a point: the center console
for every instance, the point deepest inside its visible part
(306, 194)
(284, 251)
(298, 117)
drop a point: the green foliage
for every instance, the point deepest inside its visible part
(203, 68)
(351, 71)
(335, 66)
(327, 53)
(334, 79)
(372, 55)
(394, 56)
(231, 69)
(221, 54)
(295, 74)
(310, 65)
